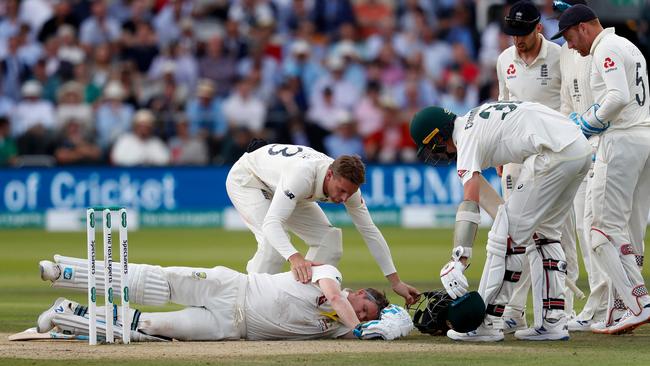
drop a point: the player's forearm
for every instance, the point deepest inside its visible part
(276, 236)
(344, 310)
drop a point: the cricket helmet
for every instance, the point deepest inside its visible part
(430, 128)
(436, 312)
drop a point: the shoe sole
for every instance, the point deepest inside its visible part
(628, 329)
(564, 338)
(476, 339)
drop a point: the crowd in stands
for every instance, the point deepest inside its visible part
(160, 82)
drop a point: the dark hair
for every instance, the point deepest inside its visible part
(351, 168)
(377, 297)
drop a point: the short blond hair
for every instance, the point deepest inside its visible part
(350, 167)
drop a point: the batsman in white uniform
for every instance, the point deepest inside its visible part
(530, 71)
(276, 188)
(223, 304)
(576, 96)
(555, 157)
(621, 183)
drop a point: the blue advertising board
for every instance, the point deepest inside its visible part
(199, 189)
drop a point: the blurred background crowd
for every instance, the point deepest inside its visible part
(191, 82)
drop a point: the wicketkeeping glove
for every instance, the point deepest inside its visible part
(452, 276)
(394, 322)
(589, 122)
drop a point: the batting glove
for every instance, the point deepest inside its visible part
(452, 276)
(589, 122)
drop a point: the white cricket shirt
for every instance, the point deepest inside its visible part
(296, 173)
(539, 82)
(279, 307)
(619, 81)
(576, 71)
(508, 132)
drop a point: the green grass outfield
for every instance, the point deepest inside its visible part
(418, 255)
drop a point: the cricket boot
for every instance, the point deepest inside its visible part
(484, 333)
(628, 322)
(551, 330)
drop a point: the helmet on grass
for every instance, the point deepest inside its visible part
(437, 312)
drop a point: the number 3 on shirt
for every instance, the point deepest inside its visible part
(499, 107)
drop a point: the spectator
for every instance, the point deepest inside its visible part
(324, 114)
(34, 13)
(6, 105)
(167, 22)
(140, 147)
(62, 16)
(71, 106)
(392, 143)
(459, 98)
(186, 149)
(437, 54)
(75, 147)
(141, 46)
(100, 28)
(345, 140)
(9, 26)
(49, 84)
(101, 65)
(13, 71)
(282, 109)
(346, 94)
(32, 112)
(371, 14)
(300, 64)
(217, 66)
(92, 91)
(243, 109)
(249, 14)
(8, 149)
(33, 121)
(69, 50)
(368, 112)
(206, 117)
(328, 15)
(113, 116)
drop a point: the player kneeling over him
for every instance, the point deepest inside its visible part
(223, 304)
(555, 157)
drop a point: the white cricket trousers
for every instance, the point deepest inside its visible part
(252, 199)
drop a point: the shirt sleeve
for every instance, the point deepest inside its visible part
(503, 89)
(375, 241)
(610, 65)
(293, 186)
(566, 104)
(468, 159)
(326, 271)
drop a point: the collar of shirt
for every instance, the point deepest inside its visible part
(540, 56)
(319, 194)
(599, 38)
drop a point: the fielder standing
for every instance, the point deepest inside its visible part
(621, 183)
(530, 71)
(576, 96)
(275, 189)
(555, 157)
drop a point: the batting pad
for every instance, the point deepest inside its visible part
(78, 325)
(147, 284)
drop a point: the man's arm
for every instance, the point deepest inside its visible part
(378, 246)
(504, 93)
(332, 291)
(610, 64)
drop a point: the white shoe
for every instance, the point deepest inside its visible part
(577, 325)
(512, 324)
(50, 271)
(481, 334)
(547, 332)
(44, 322)
(597, 326)
(629, 322)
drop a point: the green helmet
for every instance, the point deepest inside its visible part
(436, 312)
(430, 127)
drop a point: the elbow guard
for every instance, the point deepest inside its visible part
(467, 220)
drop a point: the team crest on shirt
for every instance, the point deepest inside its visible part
(609, 64)
(324, 324)
(543, 75)
(461, 173)
(511, 71)
(320, 300)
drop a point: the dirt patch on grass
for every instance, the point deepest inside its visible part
(63, 350)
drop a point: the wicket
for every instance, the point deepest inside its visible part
(110, 310)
